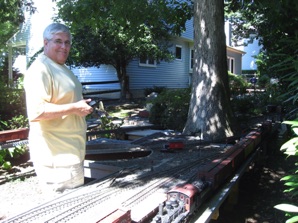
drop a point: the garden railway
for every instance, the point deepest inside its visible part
(136, 183)
(14, 137)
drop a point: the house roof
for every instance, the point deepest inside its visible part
(20, 37)
(235, 50)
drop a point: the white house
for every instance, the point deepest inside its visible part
(250, 46)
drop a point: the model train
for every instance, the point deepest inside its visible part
(10, 138)
(183, 200)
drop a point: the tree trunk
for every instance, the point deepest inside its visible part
(210, 110)
(124, 82)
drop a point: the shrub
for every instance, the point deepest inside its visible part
(13, 107)
(291, 181)
(107, 124)
(237, 83)
(13, 152)
(243, 105)
(264, 81)
(12, 116)
(170, 109)
(155, 89)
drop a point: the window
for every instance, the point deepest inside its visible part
(147, 62)
(191, 59)
(178, 52)
(231, 64)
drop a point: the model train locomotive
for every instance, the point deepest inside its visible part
(182, 201)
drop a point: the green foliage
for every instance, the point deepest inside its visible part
(290, 148)
(12, 10)
(243, 105)
(285, 91)
(18, 121)
(106, 120)
(35, 55)
(288, 66)
(12, 116)
(107, 124)
(170, 109)
(13, 152)
(264, 81)
(237, 83)
(273, 23)
(13, 107)
(262, 61)
(11, 16)
(249, 71)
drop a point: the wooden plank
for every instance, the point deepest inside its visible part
(13, 135)
(97, 171)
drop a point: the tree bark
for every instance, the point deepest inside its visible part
(124, 81)
(210, 110)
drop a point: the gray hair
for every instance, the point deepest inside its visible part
(55, 28)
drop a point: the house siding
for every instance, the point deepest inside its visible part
(188, 33)
(173, 74)
(238, 60)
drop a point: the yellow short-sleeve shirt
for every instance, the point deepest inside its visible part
(60, 141)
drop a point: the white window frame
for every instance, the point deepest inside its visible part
(148, 63)
(231, 64)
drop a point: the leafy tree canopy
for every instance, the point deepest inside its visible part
(11, 16)
(272, 22)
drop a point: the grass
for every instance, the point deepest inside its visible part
(123, 111)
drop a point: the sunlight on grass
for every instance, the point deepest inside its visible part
(122, 111)
(120, 114)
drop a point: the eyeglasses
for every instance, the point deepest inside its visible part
(59, 42)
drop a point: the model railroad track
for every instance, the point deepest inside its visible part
(186, 173)
(52, 209)
(64, 210)
(12, 138)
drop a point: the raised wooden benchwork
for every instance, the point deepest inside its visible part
(111, 151)
(13, 135)
(97, 171)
